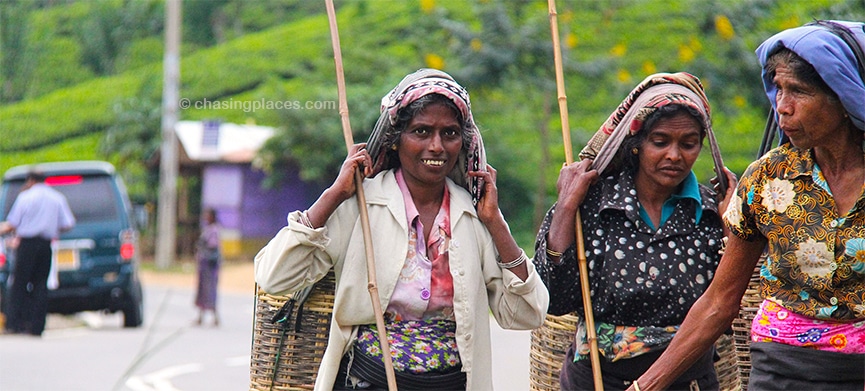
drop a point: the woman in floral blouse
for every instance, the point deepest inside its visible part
(652, 234)
(804, 200)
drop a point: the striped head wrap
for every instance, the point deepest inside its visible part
(653, 92)
(412, 87)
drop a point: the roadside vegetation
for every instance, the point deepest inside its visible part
(82, 79)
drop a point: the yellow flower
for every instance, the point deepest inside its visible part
(435, 61)
(792, 21)
(739, 101)
(619, 50)
(476, 44)
(724, 28)
(623, 75)
(571, 40)
(649, 67)
(777, 195)
(686, 54)
(427, 6)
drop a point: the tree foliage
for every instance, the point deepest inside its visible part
(73, 73)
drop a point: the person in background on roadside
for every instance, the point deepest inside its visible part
(652, 235)
(38, 216)
(803, 204)
(444, 255)
(208, 259)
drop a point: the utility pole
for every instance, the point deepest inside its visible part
(166, 218)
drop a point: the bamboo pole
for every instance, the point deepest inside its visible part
(361, 200)
(591, 332)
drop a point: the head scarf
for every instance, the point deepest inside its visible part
(653, 92)
(830, 55)
(412, 87)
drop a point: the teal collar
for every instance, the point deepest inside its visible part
(690, 189)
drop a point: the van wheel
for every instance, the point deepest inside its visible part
(133, 309)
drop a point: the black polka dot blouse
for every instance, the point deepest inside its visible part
(638, 276)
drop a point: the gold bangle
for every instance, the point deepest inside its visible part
(553, 253)
(636, 386)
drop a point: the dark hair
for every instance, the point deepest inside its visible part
(627, 160)
(35, 176)
(209, 212)
(406, 114)
(802, 70)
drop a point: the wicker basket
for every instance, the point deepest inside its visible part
(287, 350)
(551, 341)
(742, 324)
(549, 346)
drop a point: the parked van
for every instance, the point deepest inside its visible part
(97, 260)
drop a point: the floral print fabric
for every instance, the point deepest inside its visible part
(419, 318)
(618, 342)
(425, 288)
(421, 346)
(641, 279)
(774, 323)
(816, 256)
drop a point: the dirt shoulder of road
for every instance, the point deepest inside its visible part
(234, 276)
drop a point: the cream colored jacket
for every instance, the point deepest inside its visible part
(298, 257)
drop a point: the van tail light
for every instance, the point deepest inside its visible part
(128, 240)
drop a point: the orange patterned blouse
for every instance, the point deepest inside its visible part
(816, 256)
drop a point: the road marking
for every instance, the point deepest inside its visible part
(238, 361)
(161, 379)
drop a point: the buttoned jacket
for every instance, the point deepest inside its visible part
(299, 256)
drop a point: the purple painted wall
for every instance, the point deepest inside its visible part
(222, 189)
(265, 210)
(236, 192)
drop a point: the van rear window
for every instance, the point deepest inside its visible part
(91, 198)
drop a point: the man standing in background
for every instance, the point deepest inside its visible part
(38, 215)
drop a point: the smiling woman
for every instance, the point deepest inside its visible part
(444, 254)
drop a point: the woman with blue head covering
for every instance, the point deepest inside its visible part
(802, 203)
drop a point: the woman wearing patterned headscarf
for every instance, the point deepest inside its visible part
(445, 256)
(803, 203)
(652, 234)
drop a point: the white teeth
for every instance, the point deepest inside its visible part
(434, 162)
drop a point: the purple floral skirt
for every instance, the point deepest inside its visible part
(417, 346)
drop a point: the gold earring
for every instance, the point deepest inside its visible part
(635, 151)
(393, 147)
